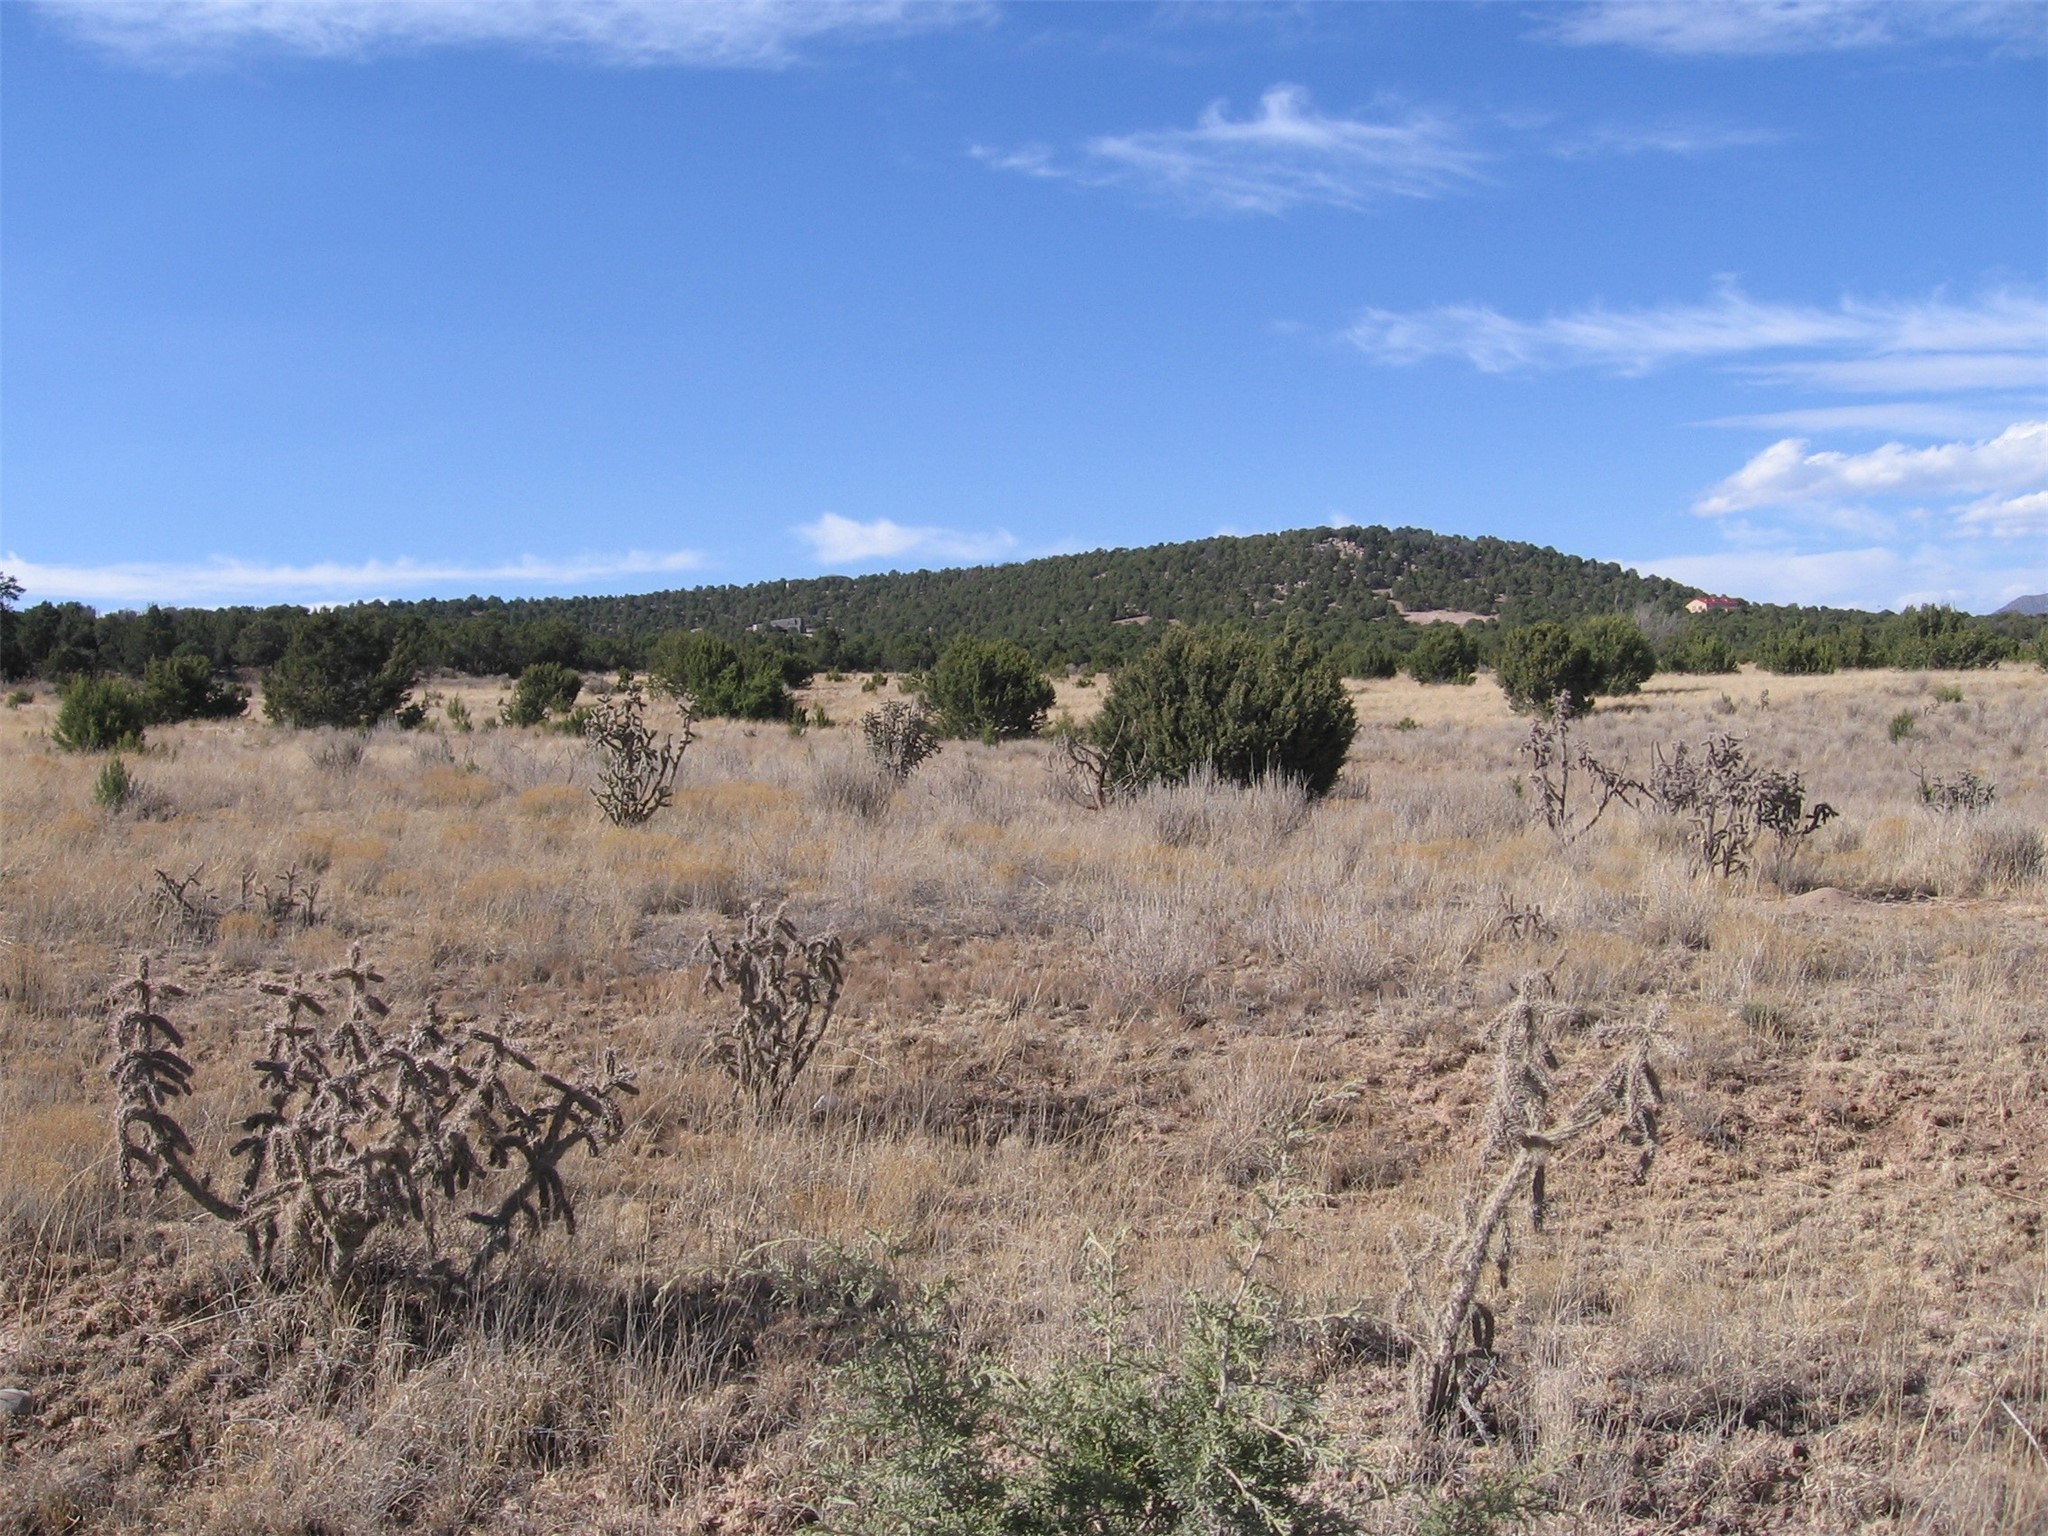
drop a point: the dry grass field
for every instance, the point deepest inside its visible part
(1825, 1310)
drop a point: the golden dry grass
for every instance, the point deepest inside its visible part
(1827, 1311)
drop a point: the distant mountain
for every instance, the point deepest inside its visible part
(2031, 606)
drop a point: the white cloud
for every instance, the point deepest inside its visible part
(837, 540)
(1933, 344)
(1973, 575)
(1286, 155)
(2009, 517)
(225, 580)
(729, 33)
(1669, 138)
(1753, 27)
(1785, 474)
(1923, 371)
(1958, 522)
(1917, 418)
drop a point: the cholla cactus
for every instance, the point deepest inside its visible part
(1731, 802)
(787, 987)
(636, 771)
(364, 1129)
(1455, 1354)
(899, 737)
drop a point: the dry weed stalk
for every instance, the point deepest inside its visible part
(360, 1130)
(636, 773)
(1082, 769)
(1452, 1374)
(787, 987)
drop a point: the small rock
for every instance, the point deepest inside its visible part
(15, 1402)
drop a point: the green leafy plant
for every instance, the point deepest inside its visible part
(1444, 654)
(545, 690)
(1494, 1503)
(1542, 663)
(115, 786)
(1124, 1438)
(1901, 726)
(988, 688)
(1622, 657)
(1795, 653)
(1699, 651)
(178, 688)
(718, 680)
(100, 714)
(342, 669)
(1244, 706)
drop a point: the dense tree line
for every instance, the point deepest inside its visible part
(1337, 587)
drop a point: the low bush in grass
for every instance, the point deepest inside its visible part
(1245, 707)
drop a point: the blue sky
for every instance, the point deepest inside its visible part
(325, 299)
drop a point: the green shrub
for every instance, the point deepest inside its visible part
(178, 688)
(1444, 654)
(1901, 726)
(1373, 659)
(112, 789)
(545, 689)
(347, 670)
(988, 688)
(1622, 656)
(1699, 651)
(1942, 638)
(1795, 653)
(719, 680)
(100, 714)
(1119, 1438)
(1541, 661)
(1245, 707)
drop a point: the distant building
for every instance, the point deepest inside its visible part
(783, 626)
(1714, 605)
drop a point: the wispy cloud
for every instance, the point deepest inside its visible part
(840, 541)
(1285, 155)
(1737, 28)
(1685, 138)
(1916, 418)
(757, 34)
(224, 580)
(1937, 344)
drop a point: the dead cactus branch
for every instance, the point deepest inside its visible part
(636, 771)
(1553, 757)
(1455, 1343)
(363, 1128)
(284, 901)
(785, 987)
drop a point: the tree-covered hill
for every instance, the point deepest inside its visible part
(1348, 587)
(1341, 583)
